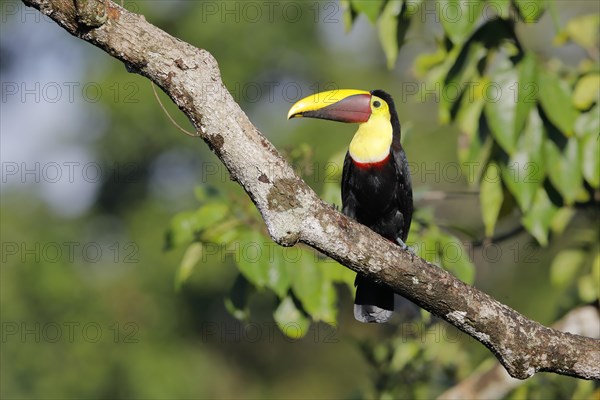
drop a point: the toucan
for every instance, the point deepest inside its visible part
(376, 183)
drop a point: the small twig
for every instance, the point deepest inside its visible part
(192, 134)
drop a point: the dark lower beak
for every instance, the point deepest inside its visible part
(344, 105)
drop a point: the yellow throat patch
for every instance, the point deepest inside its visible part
(372, 142)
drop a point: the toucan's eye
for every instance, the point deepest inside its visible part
(376, 104)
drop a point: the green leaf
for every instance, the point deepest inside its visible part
(527, 90)
(564, 168)
(526, 168)
(210, 213)
(435, 66)
(458, 18)
(562, 218)
(461, 77)
(564, 267)
(280, 262)
(437, 77)
(185, 226)
(428, 247)
(583, 30)
(470, 139)
(456, 259)
(182, 228)
(491, 197)
(291, 321)
(556, 99)
(316, 293)
(348, 14)
(252, 258)
(192, 255)
(427, 61)
(501, 107)
(237, 301)
(589, 290)
(337, 273)
(538, 218)
(265, 264)
(474, 142)
(530, 10)
(585, 390)
(587, 91)
(469, 113)
(388, 30)
(588, 123)
(551, 5)
(222, 232)
(370, 8)
(590, 158)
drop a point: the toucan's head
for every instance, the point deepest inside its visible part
(374, 111)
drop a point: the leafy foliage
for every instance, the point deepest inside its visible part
(516, 111)
(302, 280)
(416, 361)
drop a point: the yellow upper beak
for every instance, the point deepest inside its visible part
(321, 100)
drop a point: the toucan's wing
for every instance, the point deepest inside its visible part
(349, 203)
(404, 196)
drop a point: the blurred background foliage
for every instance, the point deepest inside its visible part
(157, 279)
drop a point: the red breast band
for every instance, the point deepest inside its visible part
(377, 164)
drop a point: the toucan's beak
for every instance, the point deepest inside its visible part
(345, 105)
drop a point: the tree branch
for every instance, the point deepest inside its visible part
(494, 383)
(293, 212)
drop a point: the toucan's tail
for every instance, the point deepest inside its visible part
(373, 303)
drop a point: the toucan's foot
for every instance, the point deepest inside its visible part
(402, 244)
(405, 246)
(335, 207)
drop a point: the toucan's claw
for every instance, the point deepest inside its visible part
(405, 247)
(402, 244)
